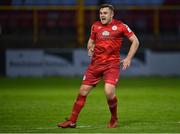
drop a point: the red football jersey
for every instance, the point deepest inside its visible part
(108, 41)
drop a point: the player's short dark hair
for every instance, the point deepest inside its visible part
(108, 6)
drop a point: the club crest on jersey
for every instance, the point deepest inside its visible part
(105, 33)
(114, 27)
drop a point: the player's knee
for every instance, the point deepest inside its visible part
(110, 95)
(83, 91)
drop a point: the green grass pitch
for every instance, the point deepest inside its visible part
(146, 104)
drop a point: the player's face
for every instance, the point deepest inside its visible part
(105, 15)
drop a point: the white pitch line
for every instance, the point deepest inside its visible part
(84, 126)
(47, 128)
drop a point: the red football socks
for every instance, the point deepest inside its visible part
(113, 107)
(78, 105)
(80, 101)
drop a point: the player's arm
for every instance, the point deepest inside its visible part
(133, 48)
(90, 47)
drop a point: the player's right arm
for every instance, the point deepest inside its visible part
(91, 41)
(90, 47)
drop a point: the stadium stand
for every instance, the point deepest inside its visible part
(136, 2)
(89, 2)
(60, 26)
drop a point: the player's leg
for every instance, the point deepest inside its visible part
(111, 77)
(112, 103)
(80, 101)
(89, 81)
(78, 105)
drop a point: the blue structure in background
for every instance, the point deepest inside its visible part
(43, 2)
(87, 2)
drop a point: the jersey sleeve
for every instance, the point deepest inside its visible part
(92, 35)
(127, 31)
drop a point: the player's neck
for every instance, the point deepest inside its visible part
(110, 21)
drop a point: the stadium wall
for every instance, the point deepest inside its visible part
(74, 62)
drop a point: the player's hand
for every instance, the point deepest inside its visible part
(90, 52)
(126, 63)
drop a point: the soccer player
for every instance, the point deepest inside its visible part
(104, 48)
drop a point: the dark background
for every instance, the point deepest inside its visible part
(50, 24)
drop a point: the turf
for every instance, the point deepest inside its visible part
(146, 104)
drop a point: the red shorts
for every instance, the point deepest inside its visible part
(94, 73)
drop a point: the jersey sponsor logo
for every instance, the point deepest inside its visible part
(105, 33)
(114, 27)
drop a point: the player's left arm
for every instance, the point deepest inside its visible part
(133, 48)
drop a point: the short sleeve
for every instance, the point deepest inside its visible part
(127, 31)
(92, 35)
